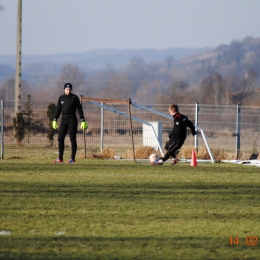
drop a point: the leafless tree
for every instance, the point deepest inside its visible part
(169, 62)
(245, 87)
(250, 79)
(117, 87)
(176, 90)
(73, 74)
(213, 90)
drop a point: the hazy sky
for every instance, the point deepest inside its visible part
(72, 26)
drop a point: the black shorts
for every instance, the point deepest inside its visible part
(173, 145)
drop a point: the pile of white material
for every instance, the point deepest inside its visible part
(244, 162)
(4, 232)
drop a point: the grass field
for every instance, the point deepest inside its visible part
(106, 209)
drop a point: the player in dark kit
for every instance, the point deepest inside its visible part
(178, 135)
(67, 105)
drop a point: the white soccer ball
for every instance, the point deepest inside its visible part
(154, 158)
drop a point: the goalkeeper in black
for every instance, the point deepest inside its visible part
(67, 105)
(178, 134)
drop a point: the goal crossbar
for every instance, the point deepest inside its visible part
(105, 100)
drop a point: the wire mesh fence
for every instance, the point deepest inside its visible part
(231, 128)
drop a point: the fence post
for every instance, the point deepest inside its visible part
(196, 123)
(102, 128)
(2, 129)
(238, 122)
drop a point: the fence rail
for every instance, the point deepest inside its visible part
(231, 128)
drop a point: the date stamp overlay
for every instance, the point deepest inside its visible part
(249, 241)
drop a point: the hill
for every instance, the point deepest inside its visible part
(228, 74)
(50, 64)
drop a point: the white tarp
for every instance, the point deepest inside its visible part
(244, 162)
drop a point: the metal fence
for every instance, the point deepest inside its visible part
(231, 128)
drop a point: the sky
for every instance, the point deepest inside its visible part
(74, 26)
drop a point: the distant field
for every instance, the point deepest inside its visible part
(106, 209)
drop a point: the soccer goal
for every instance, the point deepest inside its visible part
(110, 105)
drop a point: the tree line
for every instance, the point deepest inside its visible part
(227, 75)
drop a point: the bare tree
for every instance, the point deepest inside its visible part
(117, 87)
(250, 79)
(218, 85)
(73, 74)
(245, 88)
(213, 90)
(169, 62)
(146, 93)
(175, 91)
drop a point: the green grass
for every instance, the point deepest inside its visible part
(100, 209)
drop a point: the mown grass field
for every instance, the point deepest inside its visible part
(106, 209)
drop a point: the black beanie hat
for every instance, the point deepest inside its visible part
(67, 85)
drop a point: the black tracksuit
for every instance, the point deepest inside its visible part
(67, 106)
(178, 135)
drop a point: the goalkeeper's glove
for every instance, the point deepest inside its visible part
(54, 124)
(84, 124)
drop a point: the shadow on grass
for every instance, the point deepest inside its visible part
(122, 248)
(126, 189)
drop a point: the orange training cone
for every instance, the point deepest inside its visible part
(193, 159)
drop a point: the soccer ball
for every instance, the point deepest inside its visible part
(154, 158)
